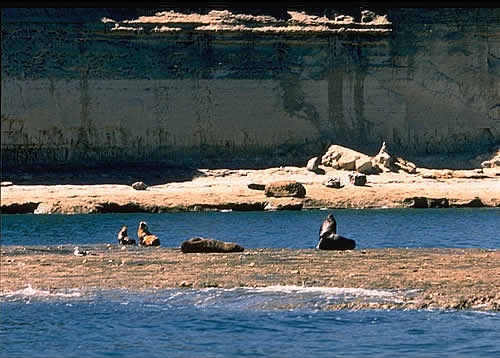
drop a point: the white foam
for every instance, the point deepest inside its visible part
(33, 292)
(335, 291)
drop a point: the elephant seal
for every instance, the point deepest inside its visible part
(330, 240)
(200, 244)
(123, 238)
(145, 237)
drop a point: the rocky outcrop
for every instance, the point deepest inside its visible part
(285, 188)
(421, 202)
(388, 162)
(202, 245)
(494, 162)
(278, 206)
(339, 157)
(139, 185)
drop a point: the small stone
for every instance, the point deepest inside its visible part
(312, 164)
(295, 272)
(357, 179)
(255, 186)
(251, 264)
(139, 185)
(332, 183)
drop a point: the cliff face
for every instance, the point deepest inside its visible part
(84, 86)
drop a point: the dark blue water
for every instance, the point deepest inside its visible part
(462, 228)
(229, 323)
(270, 322)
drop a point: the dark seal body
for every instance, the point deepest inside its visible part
(336, 242)
(123, 239)
(199, 244)
(330, 240)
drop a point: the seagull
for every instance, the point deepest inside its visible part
(77, 252)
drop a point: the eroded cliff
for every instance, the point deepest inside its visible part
(88, 86)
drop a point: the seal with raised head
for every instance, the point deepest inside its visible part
(145, 237)
(330, 240)
(123, 238)
(328, 227)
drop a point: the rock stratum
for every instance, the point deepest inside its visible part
(120, 86)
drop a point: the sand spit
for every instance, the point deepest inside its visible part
(420, 278)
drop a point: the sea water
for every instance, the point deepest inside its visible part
(277, 321)
(381, 228)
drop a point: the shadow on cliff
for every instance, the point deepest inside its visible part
(151, 175)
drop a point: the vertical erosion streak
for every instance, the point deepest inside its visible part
(359, 106)
(337, 127)
(82, 146)
(294, 98)
(335, 102)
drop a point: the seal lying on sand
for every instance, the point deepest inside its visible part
(200, 244)
(145, 237)
(123, 239)
(328, 238)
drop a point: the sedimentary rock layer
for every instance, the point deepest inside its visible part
(86, 86)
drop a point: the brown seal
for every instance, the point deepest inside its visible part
(145, 237)
(200, 244)
(123, 238)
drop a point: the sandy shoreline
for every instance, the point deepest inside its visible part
(219, 189)
(418, 278)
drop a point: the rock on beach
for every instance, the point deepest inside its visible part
(285, 188)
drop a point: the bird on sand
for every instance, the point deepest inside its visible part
(78, 252)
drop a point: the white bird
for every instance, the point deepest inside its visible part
(77, 252)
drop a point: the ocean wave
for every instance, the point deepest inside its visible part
(30, 292)
(270, 297)
(331, 291)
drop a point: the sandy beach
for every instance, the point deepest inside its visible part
(216, 189)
